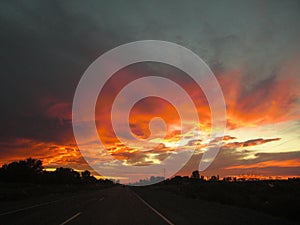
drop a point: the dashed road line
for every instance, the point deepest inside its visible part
(29, 207)
(71, 218)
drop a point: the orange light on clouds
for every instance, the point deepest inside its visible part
(269, 163)
(50, 153)
(248, 105)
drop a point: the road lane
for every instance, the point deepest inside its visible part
(145, 206)
(119, 206)
(27, 208)
(55, 213)
(116, 205)
(154, 210)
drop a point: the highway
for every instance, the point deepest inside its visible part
(123, 206)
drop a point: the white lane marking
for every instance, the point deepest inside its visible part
(100, 199)
(71, 218)
(154, 210)
(29, 207)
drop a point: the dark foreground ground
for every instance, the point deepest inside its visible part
(127, 206)
(280, 198)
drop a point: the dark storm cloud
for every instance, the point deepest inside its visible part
(47, 45)
(45, 48)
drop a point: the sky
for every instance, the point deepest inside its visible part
(252, 47)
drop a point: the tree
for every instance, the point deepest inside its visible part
(31, 171)
(27, 170)
(35, 165)
(87, 178)
(195, 175)
(85, 174)
(67, 175)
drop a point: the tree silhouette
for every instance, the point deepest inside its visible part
(23, 170)
(31, 171)
(67, 175)
(87, 178)
(85, 174)
(195, 175)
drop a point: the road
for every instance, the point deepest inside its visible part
(123, 206)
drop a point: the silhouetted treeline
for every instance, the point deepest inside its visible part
(196, 178)
(276, 197)
(32, 171)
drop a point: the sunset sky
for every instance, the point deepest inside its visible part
(253, 49)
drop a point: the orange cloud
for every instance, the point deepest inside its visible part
(271, 100)
(148, 108)
(251, 142)
(252, 103)
(268, 101)
(227, 138)
(270, 163)
(52, 154)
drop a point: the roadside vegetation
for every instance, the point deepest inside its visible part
(280, 198)
(27, 178)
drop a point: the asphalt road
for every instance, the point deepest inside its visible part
(123, 206)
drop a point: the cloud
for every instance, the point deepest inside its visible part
(52, 154)
(270, 163)
(47, 47)
(197, 143)
(130, 156)
(228, 155)
(248, 143)
(226, 144)
(272, 100)
(228, 137)
(230, 162)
